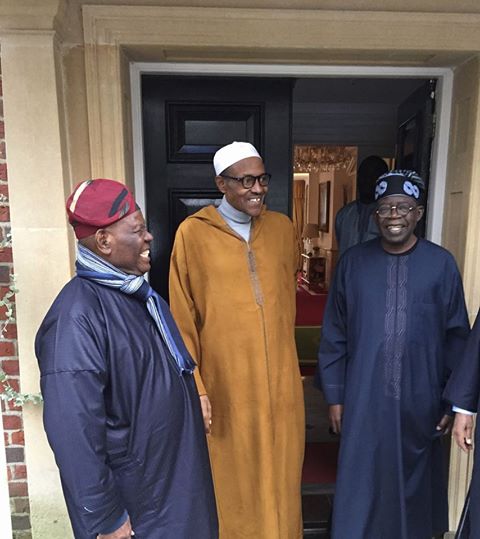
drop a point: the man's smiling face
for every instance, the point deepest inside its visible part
(128, 244)
(397, 230)
(249, 201)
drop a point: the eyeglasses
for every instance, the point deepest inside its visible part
(249, 181)
(402, 209)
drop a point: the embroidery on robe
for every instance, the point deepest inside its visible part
(395, 324)
(252, 267)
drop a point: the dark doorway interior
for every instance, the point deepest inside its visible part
(362, 112)
(390, 118)
(185, 119)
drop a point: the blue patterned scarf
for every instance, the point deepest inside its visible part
(94, 268)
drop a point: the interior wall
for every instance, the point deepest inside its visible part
(370, 126)
(311, 197)
(351, 112)
(326, 239)
(342, 187)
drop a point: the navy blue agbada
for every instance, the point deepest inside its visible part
(394, 326)
(125, 426)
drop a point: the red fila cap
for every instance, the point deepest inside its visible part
(97, 204)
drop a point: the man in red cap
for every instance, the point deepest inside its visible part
(121, 407)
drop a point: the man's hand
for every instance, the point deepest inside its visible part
(462, 431)
(124, 532)
(207, 413)
(335, 412)
(445, 424)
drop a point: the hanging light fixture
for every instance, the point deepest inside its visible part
(322, 158)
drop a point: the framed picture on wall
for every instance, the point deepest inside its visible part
(324, 206)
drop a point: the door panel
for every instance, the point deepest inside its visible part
(185, 202)
(415, 131)
(195, 129)
(185, 120)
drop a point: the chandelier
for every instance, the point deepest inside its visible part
(322, 158)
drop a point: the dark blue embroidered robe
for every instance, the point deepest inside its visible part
(393, 328)
(463, 390)
(125, 427)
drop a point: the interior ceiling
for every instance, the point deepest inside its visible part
(354, 90)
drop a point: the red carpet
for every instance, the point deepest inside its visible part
(308, 370)
(310, 308)
(320, 463)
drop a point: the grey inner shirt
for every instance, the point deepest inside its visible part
(237, 220)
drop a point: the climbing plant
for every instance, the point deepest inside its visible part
(7, 392)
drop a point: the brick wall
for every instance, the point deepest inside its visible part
(11, 415)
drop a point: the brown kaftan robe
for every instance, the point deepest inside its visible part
(234, 303)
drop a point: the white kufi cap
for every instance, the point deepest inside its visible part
(231, 154)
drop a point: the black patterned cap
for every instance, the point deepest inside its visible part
(400, 182)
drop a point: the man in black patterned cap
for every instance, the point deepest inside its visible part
(394, 326)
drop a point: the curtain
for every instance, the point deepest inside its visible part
(298, 217)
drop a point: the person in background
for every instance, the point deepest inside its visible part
(463, 392)
(394, 327)
(232, 293)
(355, 222)
(121, 408)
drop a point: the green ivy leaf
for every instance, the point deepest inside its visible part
(7, 393)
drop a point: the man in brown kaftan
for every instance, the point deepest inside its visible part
(232, 293)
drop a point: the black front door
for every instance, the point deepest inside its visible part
(185, 120)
